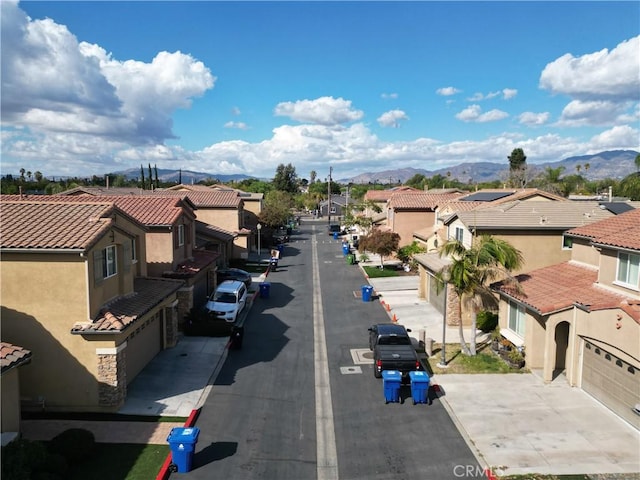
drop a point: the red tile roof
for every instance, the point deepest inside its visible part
(420, 200)
(199, 261)
(125, 311)
(12, 356)
(558, 287)
(384, 195)
(206, 199)
(47, 225)
(621, 231)
(147, 209)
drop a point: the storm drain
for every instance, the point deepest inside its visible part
(350, 370)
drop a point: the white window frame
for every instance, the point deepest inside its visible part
(333, 210)
(109, 262)
(567, 243)
(628, 270)
(134, 253)
(516, 318)
(459, 234)
(180, 233)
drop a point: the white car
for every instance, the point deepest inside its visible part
(228, 301)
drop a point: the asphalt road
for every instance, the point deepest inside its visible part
(293, 404)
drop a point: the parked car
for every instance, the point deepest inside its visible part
(234, 274)
(227, 301)
(335, 229)
(392, 350)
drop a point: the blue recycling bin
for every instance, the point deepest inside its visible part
(391, 381)
(280, 249)
(335, 235)
(419, 387)
(367, 293)
(182, 441)
(345, 249)
(265, 287)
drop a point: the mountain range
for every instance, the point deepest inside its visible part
(615, 164)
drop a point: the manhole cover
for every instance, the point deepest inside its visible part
(361, 356)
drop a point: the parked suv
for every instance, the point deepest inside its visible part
(228, 301)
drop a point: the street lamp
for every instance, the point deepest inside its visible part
(259, 227)
(446, 276)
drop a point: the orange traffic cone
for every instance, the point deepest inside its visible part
(388, 307)
(394, 319)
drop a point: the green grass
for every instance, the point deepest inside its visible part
(375, 272)
(122, 461)
(485, 361)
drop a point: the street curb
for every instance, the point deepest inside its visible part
(164, 472)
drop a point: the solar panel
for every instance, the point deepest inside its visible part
(485, 196)
(617, 207)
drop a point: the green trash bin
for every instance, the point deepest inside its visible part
(351, 259)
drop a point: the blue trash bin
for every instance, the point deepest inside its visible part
(182, 441)
(345, 249)
(391, 381)
(419, 387)
(280, 249)
(264, 289)
(335, 235)
(367, 293)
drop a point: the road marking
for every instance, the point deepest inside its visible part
(326, 453)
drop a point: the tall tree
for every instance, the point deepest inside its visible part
(286, 179)
(470, 272)
(380, 242)
(637, 162)
(518, 168)
(150, 178)
(142, 180)
(155, 170)
(312, 176)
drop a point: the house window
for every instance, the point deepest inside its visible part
(109, 262)
(333, 209)
(459, 234)
(516, 318)
(134, 254)
(567, 243)
(180, 235)
(628, 269)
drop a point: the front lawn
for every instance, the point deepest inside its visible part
(126, 461)
(485, 361)
(377, 272)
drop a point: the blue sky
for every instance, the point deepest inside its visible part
(240, 87)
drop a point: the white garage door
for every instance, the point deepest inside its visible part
(142, 346)
(611, 381)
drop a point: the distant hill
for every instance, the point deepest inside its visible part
(615, 164)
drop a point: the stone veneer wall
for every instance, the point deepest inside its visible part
(453, 301)
(171, 326)
(185, 304)
(112, 376)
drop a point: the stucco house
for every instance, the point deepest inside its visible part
(74, 289)
(581, 318)
(11, 358)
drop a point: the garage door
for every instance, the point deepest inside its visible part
(142, 345)
(611, 381)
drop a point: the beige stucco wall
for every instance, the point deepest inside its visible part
(583, 252)
(253, 206)
(404, 223)
(10, 401)
(229, 219)
(42, 297)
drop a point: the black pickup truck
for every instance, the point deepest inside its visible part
(392, 350)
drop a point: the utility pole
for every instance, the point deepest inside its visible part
(329, 197)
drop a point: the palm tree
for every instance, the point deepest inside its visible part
(470, 273)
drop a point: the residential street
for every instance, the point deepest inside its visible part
(272, 415)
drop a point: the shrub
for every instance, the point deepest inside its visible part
(487, 321)
(22, 457)
(406, 253)
(75, 445)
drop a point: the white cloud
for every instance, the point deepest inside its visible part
(237, 125)
(392, 118)
(323, 111)
(389, 96)
(532, 118)
(473, 113)
(447, 91)
(594, 112)
(235, 111)
(509, 93)
(617, 138)
(595, 76)
(53, 83)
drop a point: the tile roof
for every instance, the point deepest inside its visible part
(535, 214)
(207, 230)
(102, 191)
(200, 260)
(206, 199)
(622, 231)
(125, 311)
(457, 206)
(147, 209)
(558, 287)
(12, 356)
(420, 200)
(47, 225)
(384, 195)
(514, 194)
